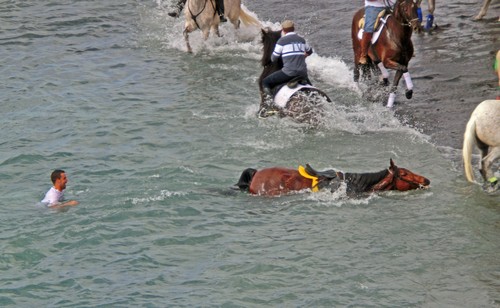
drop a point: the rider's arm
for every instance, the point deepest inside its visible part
(278, 50)
(309, 50)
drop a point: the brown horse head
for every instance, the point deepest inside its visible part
(406, 12)
(404, 179)
(269, 38)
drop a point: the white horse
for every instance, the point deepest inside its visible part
(483, 10)
(483, 129)
(201, 14)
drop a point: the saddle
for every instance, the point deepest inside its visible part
(321, 179)
(327, 174)
(361, 23)
(292, 84)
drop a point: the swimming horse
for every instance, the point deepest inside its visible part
(483, 129)
(297, 99)
(277, 181)
(391, 46)
(202, 14)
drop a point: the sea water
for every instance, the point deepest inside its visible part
(152, 138)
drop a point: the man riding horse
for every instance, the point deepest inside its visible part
(293, 50)
(372, 10)
(219, 8)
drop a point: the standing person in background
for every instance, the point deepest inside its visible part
(430, 17)
(372, 9)
(54, 198)
(219, 7)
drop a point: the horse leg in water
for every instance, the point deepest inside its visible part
(487, 162)
(215, 29)
(186, 39)
(401, 70)
(366, 71)
(188, 29)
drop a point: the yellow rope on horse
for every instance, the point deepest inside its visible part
(314, 185)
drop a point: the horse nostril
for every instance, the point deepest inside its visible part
(427, 182)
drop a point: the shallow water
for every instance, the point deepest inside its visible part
(152, 138)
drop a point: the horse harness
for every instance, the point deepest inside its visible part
(407, 23)
(193, 16)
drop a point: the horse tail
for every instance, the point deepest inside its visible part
(247, 19)
(246, 179)
(469, 141)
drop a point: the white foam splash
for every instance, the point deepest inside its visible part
(332, 71)
(164, 194)
(354, 114)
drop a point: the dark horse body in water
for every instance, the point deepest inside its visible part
(297, 99)
(393, 48)
(278, 181)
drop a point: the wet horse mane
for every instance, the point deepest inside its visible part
(361, 182)
(269, 39)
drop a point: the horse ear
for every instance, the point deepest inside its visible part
(392, 164)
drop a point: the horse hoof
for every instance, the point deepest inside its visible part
(491, 186)
(409, 94)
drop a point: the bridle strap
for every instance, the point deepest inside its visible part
(193, 16)
(406, 23)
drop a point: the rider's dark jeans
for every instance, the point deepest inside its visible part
(275, 79)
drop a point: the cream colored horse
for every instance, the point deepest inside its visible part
(483, 129)
(201, 14)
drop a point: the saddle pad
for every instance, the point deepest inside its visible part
(376, 35)
(284, 94)
(361, 23)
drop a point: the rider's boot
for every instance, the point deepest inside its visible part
(220, 10)
(179, 7)
(365, 44)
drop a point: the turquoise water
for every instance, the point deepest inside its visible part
(152, 138)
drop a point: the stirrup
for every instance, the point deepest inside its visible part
(222, 18)
(266, 111)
